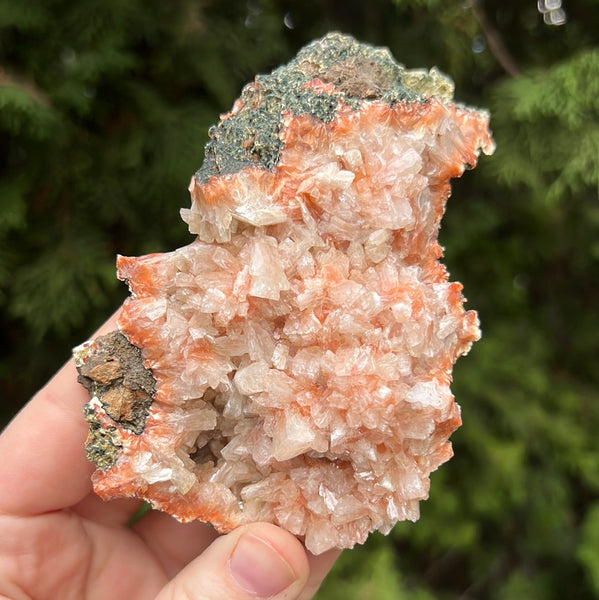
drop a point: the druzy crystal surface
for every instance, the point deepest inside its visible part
(293, 363)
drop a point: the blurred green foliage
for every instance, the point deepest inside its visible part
(104, 111)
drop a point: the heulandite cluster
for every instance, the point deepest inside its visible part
(293, 363)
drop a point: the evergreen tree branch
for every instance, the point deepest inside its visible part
(25, 85)
(494, 40)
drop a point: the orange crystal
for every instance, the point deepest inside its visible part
(302, 345)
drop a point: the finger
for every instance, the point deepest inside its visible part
(259, 560)
(174, 544)
(114, 513)
(44, 466)
(319, 568)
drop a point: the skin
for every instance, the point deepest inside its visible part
(59, 540)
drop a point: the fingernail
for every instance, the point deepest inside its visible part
(259, 568)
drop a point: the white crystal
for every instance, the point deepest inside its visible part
(251, 379)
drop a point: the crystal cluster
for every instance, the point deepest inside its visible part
(299, 351)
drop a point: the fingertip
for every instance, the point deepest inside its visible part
(320, 566)
(267, 560)
(255, 561)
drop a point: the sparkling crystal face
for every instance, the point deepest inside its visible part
(302, 346)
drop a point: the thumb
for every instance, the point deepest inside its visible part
(256, 561)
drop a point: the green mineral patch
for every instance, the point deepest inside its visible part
(359, 72)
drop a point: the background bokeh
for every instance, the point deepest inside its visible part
(104, 111)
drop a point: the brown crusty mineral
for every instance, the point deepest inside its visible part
(293, 363)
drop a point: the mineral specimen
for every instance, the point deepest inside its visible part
(293, 363)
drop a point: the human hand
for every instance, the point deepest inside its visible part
(59, 540)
